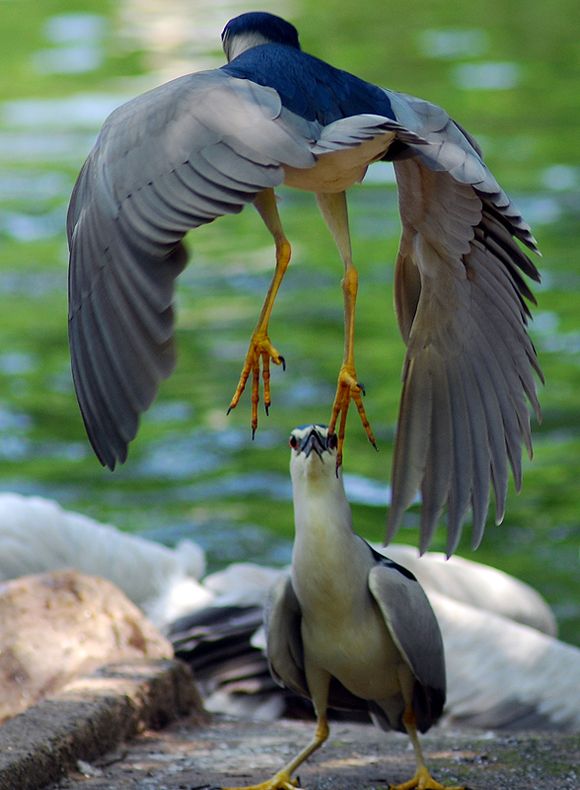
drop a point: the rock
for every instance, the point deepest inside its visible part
(93, 714)
(56, 626)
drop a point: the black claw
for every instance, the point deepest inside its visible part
(361, 386)
(283, 363)
(229, 410)
(253, 434)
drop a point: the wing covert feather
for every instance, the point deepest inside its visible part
(282, 617)
(402, 602)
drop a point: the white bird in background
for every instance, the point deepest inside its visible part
(505, 667)
(37, 535)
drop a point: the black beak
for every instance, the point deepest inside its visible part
(314, 442)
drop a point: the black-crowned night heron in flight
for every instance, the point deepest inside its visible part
(349, 628)
(206, 144)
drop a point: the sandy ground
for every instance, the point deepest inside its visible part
(191, 755)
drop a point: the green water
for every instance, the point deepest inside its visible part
(508, 71)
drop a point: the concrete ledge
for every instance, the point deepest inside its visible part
(96, 714)
(91, 716)
(237, 753)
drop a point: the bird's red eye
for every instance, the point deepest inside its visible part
(333, 441)
(293, 442)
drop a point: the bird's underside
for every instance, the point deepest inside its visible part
(207, 144)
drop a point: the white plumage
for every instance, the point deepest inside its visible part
(37, 535)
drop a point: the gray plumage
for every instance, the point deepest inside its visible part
(207, 144)
(402, 602)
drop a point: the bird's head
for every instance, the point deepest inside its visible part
(255, 28)
(313, 453)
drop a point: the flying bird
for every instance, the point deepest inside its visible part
(207, 144)
(349, 628)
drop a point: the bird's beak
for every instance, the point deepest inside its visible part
(314, 441)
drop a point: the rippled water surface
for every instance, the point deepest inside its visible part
(508, 71)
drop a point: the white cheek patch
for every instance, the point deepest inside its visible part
(238, 44)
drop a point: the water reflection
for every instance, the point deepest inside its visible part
(14, 430)
(561, 177)
(15, 363)
(178, 36)
(224, 543)
(38, 185)
(81, 111)
(41, 146)
(75, 28)
(360, 490)
(77, 41)
(486, 76)
(540, 209)
(450, 44)
(30, 283)
(179, 457)
(67, 60)
(32, 227)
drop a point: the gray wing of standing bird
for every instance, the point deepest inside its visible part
(350, 628)
(209, 143)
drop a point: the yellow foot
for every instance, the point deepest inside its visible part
(423, 781)
(347, 389)
(280, 781)
(260, 351)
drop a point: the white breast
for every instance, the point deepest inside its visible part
(358, 651)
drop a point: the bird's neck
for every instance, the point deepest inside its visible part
(326, 550)
(243, 42)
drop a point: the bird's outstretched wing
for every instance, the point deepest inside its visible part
(461, 305)
(175, 158)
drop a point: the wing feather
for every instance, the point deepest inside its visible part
(282, 618)
(460, 485)
(461, 303)
(174, 158)
(402, 601)
(480, 455)
(436, 482)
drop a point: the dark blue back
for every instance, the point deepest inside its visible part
(308, 86)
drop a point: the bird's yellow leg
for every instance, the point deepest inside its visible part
(261, 350)
(334, 210)
(283, 779)
(422, 780)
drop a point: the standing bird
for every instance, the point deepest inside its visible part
(349, 628)
(206, 144)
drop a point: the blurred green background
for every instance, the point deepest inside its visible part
(508, 71)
